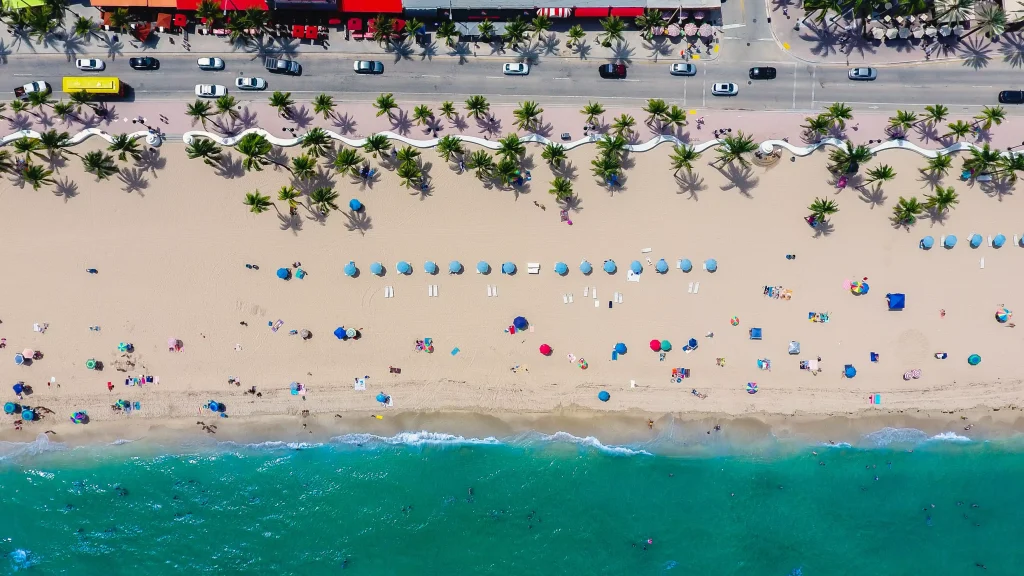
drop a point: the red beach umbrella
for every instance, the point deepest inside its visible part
(656, 345)
(545, 349)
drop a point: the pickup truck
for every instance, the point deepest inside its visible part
(283, 66)
(22, 92)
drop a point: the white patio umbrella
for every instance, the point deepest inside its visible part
(891, 33)
(918, 32)
(931, 31)
(878, 33)
(944, 30)
(904, 33)
(959, 30)
(673, 30)
(704, 30)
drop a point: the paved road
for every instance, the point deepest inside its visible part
(554, 81)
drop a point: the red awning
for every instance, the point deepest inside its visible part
(554, 12)
(187, 4)
(372, 6)
(355, 25)
(627, 11)
(590, 12)
(243, 4)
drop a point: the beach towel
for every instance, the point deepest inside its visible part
(360, 384)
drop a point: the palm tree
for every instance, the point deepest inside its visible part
(683, 156)
(36, 175)
(943, 199)
(958, 129)
(63, 110)
(283, 102)
(527, 115)
(506, 171)
(408, 154)
(576, 35)
(449, 146)
(99, 164)
(554, 154)
(982, 160)
(989, 18)
(38, 100)
(561, 187)
(412, 26)
(303, 166)
(880, 173)
(257, 202)
(125, 146)
(226, 105)
(446, 29)
(383, 28)
(422, 114)
(84, 28)
(384, 104)
(409, 173)
(540, 25)
(254, 149)
(822, 207)
(1011, 163)
(325, 199)
(612, 146)
(954, 11)
(82, 98)
(56, 143)
(990, 115)
(623, 124)
(198, 110)
(817, 126)
(656, 109)
(477, 106)
(939, 165)
(648, 21)
(846, 160)
(348, 160)
(204, 148)
(592, 110)
(482, 162)
(905, 212)
(735, 148)
(605, 167)
(839, 113)
(448, 107)
(818, 10)
(902, 122)
(120, 19)
(209, 11)
(6, 164)
(28, 147)
(317, 141)
(377, 144)
(515, 32)
(935, 114)
(511, 147)
(256, 19)
(289, 195)
(486, 30)
(675, 116)
(613, 28)
(323, 104)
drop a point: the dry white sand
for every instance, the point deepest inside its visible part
(171, 261)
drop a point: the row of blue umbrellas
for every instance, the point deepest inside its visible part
(975, 241)
(482, 267)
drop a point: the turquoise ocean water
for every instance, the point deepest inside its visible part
(435, 504)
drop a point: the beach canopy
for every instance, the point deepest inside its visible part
(975, 240)
(355, 205)
(482, 267)
(429, 267)
(561, 269)
(284, 273)
(79, 417)
(927, 242)
(687, 265)
(858, 287)
(18, 388)
(508, 268)
(896, 301)
(692, 343)
(376, 269)
(794, 347)
(636, 267)
(849, 371)
(339, 332)
(545, 349)
(455, 267)
(19, 359)
(350, 269)
(711, 264)
(999, 240)
(10, 408)
(603, 396)
(520, 323)
(950, 241)
(585, 267)
(403, 267)
(1003, 314)
(609, 266)
(661, 266)
(974, 359)
(755, 333)
(665, 345)
(656, 345)
(620, 348)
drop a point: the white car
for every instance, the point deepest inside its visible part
(243, 83)
(515, 69)
(210, 90)
(724, 89)
(682, 69)
(90, 64)
(863, 74)
(210, 64)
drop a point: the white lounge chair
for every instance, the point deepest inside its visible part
(690, 289)
(696, 287)
(990, 241)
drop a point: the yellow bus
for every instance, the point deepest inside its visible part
(95, 85)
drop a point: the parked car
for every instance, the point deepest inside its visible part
(1011, 97)
(863, 74)
(210, 90)
(278, 66)
(724, 89)
(612, 70)
(144, 63)
(22, 92)
(246, 83)
(211, 64)
(90, 64)
(368, 67)
(762, 73)
(515, 69)
(682, 69)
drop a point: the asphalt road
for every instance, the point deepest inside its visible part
(797, 87)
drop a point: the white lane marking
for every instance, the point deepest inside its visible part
(429, 76)
(814, 72)
(22, 74)
(565, 78)
(794, 85)
(494, 77)
(704, 88)
(731, 26)
(971, 86)
(629, 80)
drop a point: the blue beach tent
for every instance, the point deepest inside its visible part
(896, 301)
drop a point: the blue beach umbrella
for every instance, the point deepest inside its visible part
(711, 264)
(661, 266)
(376, 269)
(999, 240)
(508, 268)
(950, 241)
(19, 359)
(18, 388)
(561, 269)
(620, 348)
(454, 267)
(927, 242)
(350, 269)
(403, 267)
(339, 332)
(849, 371)
(974, 359)
(609, 266)
(355, 205)
(666, 345)
(687, 265)
(520, 323)
(975, 240)
(294, 386)
(482, 267)
(28, 415)
(636, 267)
(10, 408)
(351, 333)
(429, 267)
(603, 396)
(382, 398)
(284, 273)
(585, 267)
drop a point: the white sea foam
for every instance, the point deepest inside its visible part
(888, 436)
(586, 442)
(121, 441)
(950, 437)
(41, 445)
(422, 438)
(273, 445)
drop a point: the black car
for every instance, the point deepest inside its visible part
(283, 66)
(612, 70)
(759, 73)
(1011, 97)
(144, 63)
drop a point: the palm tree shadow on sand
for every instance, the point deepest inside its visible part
(873, 195)
(358, 222)
(65, 188)
(690, 183)
(740, 178)
(345, 124)
(134, 180)
(288, 221)
(824, 229)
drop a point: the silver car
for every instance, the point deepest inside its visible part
(244, 83)
(515, 69)
(682, 69)
(210, 90)
(368, 67)
(863, 74)
(724, 89)
(210, 64)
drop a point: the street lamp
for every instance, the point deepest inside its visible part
(1010, 149)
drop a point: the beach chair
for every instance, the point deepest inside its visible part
(690, 289)
(942, 241)
(533, 268)
(755, 333)
(696, 287)
(989, 240)
(679, 264)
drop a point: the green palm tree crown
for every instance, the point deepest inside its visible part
(511, 147)
(592, 110)
(942, 200)
(289, 195)
(99, 164)
(613, 28)
(446, 30)
(846, 160)
(408, 154)
(257, 203)
(412, 25)
(674, 116)
(990, 19)
(958, 129)
(254, 149)
(84, 27)
(527, 115)
(80, 98)
(28, 147)
(902, 121)
(204, 148)
(880, 173)
(63, 110)
(125, 146)
(561, 187)
(303, 166)
(384, 104)
(376, 144)
(318, 142)
(576, 35)
(482, 162)
(323, 104)
(648, 21)
(477, 106)
(282, 101)
(612, 145)
(348, 160)
(981, 161)
(409, 173)
(839, 113)
(325, 199)
(822, 207)
(735, 148)
(448, 109)
(39, 99)
(226, 105)
(55, 142)
(36, 175)
(199, 110)
(905, 212)
(210, 11)
(991, 115)
(683, 156)
(604, 167)
(623, 124)
(486, 30)
(939, 165)
(506, 171)
(554, 154)
(935, 113)
(383, 28)
(817, 125)
(515, 32)
(6, 163)
(656, 109)
(422, 114)
(449, 146)
(1011, 164)
(540, 24)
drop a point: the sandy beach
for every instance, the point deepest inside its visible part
(171, 252)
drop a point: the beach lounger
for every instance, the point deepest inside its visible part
(586, 291)
(597, 303)
(570, 298)
(615, 297)
(430, 290)
(983, 263)
(1015, 241)
(679, 264)
(942, 241)
(690, 289)
(565, 298)
(990, 241)
(645, 251)
(593, 292)
(704, 266)
(696, 287)
(619, 299)
(533, 268)
(489, 291)
(755, 333)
